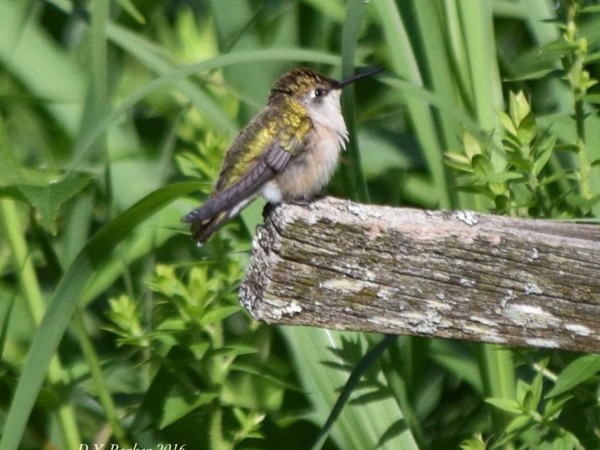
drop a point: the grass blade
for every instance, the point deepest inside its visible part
(367, 361)
(65, 299)
(350, 33)
(358, 426)
(404, 63)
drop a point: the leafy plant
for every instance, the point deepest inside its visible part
(534, 423)
(527, 169)
(116, 329)
(196, 343)
(519, 184)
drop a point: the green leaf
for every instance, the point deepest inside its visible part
(310, 347)
(497, 189)
(564, 174)
(518, 423)
(219, 314)
(47, 200)
(461, 167)
(553, 407)
(592, 58)
(473, 190)
(6, 314)
(529, 406)
(536, 74)
(522, 389)
(519, 107)
(459, 364)
(264, 374)
(471, 145)
(503, 177)
(527, 129)
(590, 9)
(473, 443)
(482, 167)
(235, 350)
(560, 46)
(353, 20)
(512, 145)
(505, 404)
(543, 154)
(333, 9)
(502, 203)
(507, 123)
(577, 372)
(592, 98)
(580, 201)
(178, 406)
(520, 163)
(538, 384)
(567, 148)
(46, 192)
(65, 299)
(131, 9)
(367, 361)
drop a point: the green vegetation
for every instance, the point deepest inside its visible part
(114, 116)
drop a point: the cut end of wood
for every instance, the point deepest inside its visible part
(341, 265)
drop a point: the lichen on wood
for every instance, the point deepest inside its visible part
(461, 275)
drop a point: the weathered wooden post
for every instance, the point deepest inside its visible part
(342, 265)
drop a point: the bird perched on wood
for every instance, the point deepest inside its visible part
(288, 152)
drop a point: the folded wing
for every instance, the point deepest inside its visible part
(244, 173)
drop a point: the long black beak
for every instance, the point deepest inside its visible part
(359, 76)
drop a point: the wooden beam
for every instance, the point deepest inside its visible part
(460, 275)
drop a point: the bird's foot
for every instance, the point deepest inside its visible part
(308, 203)
(268, 209)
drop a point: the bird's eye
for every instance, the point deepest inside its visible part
(319, 92)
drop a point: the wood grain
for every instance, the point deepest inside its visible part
(460, 275)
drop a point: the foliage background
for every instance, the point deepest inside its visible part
(109, 109)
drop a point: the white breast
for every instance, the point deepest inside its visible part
(306, 175)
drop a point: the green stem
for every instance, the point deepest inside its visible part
(101, 388)
(217, 441)
(497, 373)
(584, 162)
(578, 78)
(31, 292)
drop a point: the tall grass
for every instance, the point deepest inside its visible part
(109, 108)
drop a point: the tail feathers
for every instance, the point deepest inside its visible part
(203, 229)
(205, 220)
(205, 212)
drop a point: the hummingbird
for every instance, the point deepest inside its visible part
(288, 152)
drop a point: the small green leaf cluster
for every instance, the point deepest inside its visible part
(182, 314)
(534, 421)
(552, 410)
(529, 172)
(203, 350)
(576, 51)
(544, 165)
(473, 443)
(515, 175)
(575, 58)
(45, 192)
(536, 412)
(203, 152)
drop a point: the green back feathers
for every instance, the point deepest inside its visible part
(286, 125)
